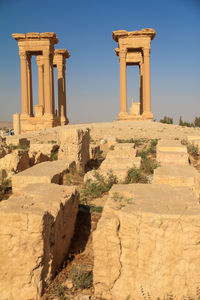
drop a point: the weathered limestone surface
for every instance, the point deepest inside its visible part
(171, 151)
(126, 150)
(46, 149)
(74, 145)
(36, 228)
(178, 175)
(14, 162)
(46, 172)
(17, 140)
(147, 238)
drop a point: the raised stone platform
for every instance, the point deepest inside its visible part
(178, 175)
(46, 172)
(147, 243)
(37, 225)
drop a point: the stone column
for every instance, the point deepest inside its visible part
(61, 93)
(52, 83)
(65, 99)
(29, 80)
(141, 87)
(40, 81)
(123, 83)
(48, 100)
(24, 83)
(146, 85)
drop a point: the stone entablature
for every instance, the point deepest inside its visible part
(42, 46)
(134, 49)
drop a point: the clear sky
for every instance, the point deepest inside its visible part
(84, 28)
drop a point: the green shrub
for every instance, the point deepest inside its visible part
(184, 123)
(192, 149)
(197, 122)
(54, 155)
(166, 120)
(99, 186)
(135, 176)
(81, 277)
(148, 165)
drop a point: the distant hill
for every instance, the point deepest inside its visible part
(5, 124)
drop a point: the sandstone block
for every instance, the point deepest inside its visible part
(120, 163)
(46, 149)
(121, 174)
(147, 242)
(126, 150)
(14, 162)
(110, 140)
(12, 140)
(37, 225)
(179, 158)
(171, 152)
(46, 172)
(192, 138)
(178, 175)
(74, 145)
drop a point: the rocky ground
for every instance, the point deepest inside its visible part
(74, 279)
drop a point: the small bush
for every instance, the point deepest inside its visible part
(112, 147)
(81, 277)
(184, 123)
(148, 165)
(197, 122)
(52, 142)
(166, 120)
(135, 176)
(54, 155)
(99, 186)
(192, 149)
(137, 142)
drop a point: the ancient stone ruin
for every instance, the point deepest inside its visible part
(41, 45)
(134, 49)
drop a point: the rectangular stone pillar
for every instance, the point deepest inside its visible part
(24, 84)
(61, 94)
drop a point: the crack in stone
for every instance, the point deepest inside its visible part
(120, 254)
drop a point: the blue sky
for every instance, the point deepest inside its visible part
(85, 29)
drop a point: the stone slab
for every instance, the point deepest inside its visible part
(46, 172)
(120, 163)
(36, 228)
(46, 149)
(17, 141)
(170, 146)
(178, 175)
(170, 157)
(147, 243)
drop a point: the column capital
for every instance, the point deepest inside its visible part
(23, 54)
(122, 53)
(146, 51)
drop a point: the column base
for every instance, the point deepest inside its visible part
(123, 115)
(147, 115)
(64, 121)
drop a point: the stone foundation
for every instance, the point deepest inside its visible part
(147, 243)
(37, 225)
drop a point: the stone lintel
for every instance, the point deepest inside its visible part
(63, 52)
(130, 34)
(35, 36)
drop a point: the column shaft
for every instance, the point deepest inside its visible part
(29, 80)
(123, 82)
(40, 82)
(24, 84)
(141, 88)
(146, 83)
(47, 85)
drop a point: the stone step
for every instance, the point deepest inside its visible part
(46, 172)
(37, 224)
(170, 146)
(149, 233)
(178, 175)
(170, 157)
